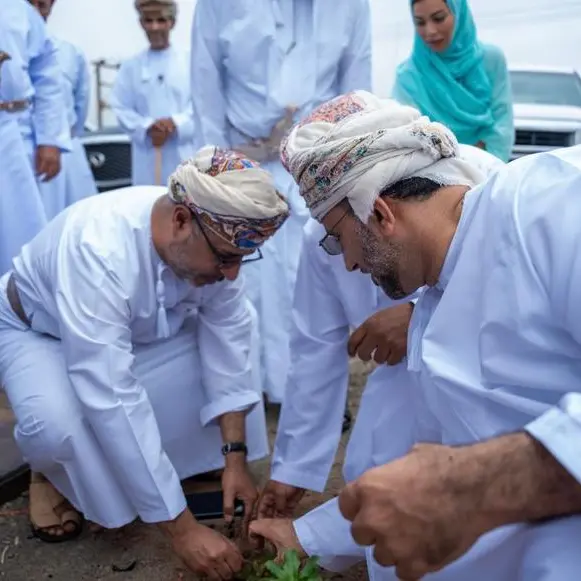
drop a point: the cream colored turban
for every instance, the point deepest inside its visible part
(232, 194)
(356, 145)
(169, 8)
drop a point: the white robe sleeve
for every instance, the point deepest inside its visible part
(224, 339)
(123, 105)
(309, 428)
(207, 83)
(184, 121)
(324, 533)
(555, 250)
(94, 315)
(355, 66)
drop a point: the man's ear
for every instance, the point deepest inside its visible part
(383, 218)
(182, 222)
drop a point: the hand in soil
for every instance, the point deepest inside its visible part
(279, 500)
(280, 533)
(208, 553)
(237, 483)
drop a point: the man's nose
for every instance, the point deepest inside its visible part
(350, 265)
(231, 272)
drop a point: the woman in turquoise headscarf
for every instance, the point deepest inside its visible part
(455, 79)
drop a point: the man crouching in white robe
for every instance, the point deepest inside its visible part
(494, 377)
(125, 344)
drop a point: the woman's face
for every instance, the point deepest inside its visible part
(434, 22)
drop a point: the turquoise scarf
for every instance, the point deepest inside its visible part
(451, 87)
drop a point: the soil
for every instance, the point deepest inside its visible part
(136, 552)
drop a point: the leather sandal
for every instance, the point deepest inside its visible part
(50, 512)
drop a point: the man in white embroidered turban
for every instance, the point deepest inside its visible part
(125, 343)
(492, 489)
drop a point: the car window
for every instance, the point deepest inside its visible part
(541, 88)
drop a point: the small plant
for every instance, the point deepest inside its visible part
(265, 568)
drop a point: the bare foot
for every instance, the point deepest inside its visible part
(280, 532)
(52, 518)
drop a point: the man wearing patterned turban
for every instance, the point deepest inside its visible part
(492, 489)
(125, 350)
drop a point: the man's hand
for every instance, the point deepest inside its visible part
(161, 131)
(279, 500)
(383, 336)
(208, 553)
(280, 533)
(237, 483)
(420, 512)
(204, 551)
(167, 125)
(48, 162)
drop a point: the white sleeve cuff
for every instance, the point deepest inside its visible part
(244, 401)
(174, 505)
(324, 533)
(284, 473)
(560, 434)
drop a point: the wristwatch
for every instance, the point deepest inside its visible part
(234, 447)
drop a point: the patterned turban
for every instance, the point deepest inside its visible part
(356, 145)
(231, 194)
(168, 8)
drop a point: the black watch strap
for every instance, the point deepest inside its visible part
(234, 447)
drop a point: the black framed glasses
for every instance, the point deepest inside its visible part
(330, 243)
(226, 260)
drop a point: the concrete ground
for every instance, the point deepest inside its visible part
(137, 552)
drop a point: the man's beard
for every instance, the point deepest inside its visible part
(382, 259)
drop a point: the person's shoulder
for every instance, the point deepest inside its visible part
(103, 228)
(536, 188)
(494, 57)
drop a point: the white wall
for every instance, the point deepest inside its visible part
(544, 32)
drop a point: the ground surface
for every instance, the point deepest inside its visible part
(97, 556)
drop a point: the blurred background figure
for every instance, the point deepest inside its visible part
(43, 124)
(454, 78)
(152, 99)
(77, 177)
(258, 66)
(31, 124)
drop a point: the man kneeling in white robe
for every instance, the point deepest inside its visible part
(125, 341)
(495, 378)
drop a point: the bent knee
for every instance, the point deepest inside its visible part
(45, 436)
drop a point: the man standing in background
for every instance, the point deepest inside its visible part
(152, 101)
(31, 101)
(258, 66)
(77, 180)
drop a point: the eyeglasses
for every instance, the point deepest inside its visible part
(227, 260)
(330, 243)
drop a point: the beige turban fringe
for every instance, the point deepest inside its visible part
(232, 194)
(168, 8)
(356, 145)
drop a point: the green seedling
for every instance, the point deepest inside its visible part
(265, 568)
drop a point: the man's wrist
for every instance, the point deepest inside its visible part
(515, 479)
(180, 525)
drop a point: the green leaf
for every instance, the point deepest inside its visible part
(310, 569)
(275, 569)
(292, 561)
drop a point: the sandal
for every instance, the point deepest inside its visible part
(50, 513)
